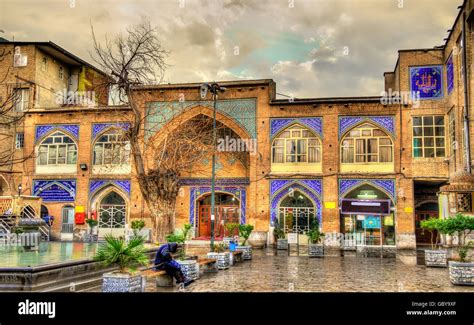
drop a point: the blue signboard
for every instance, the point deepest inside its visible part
(450, 74)
(372, 222)
(427, 82)
(55, 190)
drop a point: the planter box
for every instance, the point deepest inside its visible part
(222, 259)
(282, 244)
(122, 282)
(247, 252)
(258, 239)
(461, 273)
(316, 250)
(436, 258)
(91, 237)
(190, 269)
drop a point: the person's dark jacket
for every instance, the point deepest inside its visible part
(163, 254)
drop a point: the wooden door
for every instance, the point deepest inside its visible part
(424, 236)
(204, 220)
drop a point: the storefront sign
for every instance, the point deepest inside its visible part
(408, 209)
(355, 206)
(292, 238)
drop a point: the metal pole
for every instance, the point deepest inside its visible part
(213, 177)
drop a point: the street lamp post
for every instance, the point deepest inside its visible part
(214, 88)
(20, 188)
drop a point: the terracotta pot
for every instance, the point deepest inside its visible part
(258, 239)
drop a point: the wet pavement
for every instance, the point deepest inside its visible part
(275, 271)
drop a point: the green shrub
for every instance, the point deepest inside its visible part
(314, 235)
(230, 227)
(116, 251)
(460, 225)
(244, 232)
(180, 236)
(278, 232)
(433, 225)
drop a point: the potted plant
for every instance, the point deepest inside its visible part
(434, 257)
(189, 265)
(220, 255)
(280, 237)
(461, 271)
(315, 238)
(116, 251)
(245, 232)
(91, 236)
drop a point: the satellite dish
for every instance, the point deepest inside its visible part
(204, 88)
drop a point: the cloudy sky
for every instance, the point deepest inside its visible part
(311, 48)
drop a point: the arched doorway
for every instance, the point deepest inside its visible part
(367, 218)
(227, 211)
(112, 212)
(44, 211)
(296, 213)
(67, 219)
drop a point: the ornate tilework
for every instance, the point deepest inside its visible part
(385, 185)
(239, 192)
(428, 81)
(238, 181)
(55, 190)
(450, 74)
(70, 129)
(99, 127)
(98, 184)
(279, 189)
(241, 111)
(313, 123)
(348, 122)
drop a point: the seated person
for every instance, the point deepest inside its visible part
(164, 261)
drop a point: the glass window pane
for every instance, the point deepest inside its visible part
(296, 134)
(285, 134)
(440, 152)
(67, 140)
(385, 154)
(440, 142)
(379, 133)
(417, 120)
(439, 120)
(58, 140)
(429, 142)
(279, 143)
(360, 146)
(385, 141)
(372, 146)
(427, 131)
(429, 152)
(439, 131)
(72, 157)
(290, 147)
(48, 140)
(360, 158)
(366, 133)
(43, 156)
(417, 131)
(417, 142)
(427, 120)
(354, 133)
(418, 152)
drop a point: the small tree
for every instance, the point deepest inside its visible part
(231, 227)
(461, 226)
(180, 237)
(92, 223)
(137, 226)
(115, 251)
(278, 232)
(314, 235)
(433, 225)
(244, 232)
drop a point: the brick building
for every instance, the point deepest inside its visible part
(368, 166)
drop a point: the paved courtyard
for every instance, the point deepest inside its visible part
(277, 272)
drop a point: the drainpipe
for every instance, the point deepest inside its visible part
(467, 146)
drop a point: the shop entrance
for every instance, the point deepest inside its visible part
(367, 218)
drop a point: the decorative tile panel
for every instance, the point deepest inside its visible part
(98, 184)
(100, 127)
(69, 129)
(241, 111)
(55, 190)
(239, 192)
(450, 74)
(279, 189)
(312, 123)
(428, 81)
(385, 185)
(346, 123)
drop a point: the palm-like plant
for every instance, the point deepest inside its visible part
(116, 251)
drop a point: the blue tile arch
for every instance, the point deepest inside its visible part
(98, 184)
(387, 123)
(55, 190)
(242, 111)
(195, 192)
(98, 128)
(385, 185)
(279, 188)
(70, 129)
(313, 123)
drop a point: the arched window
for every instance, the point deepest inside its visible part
(296, 144)
(366, 144)
(112, 148)
(57, 149)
